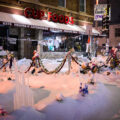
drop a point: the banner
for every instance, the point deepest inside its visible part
(100, 10)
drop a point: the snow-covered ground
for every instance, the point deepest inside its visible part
(74, 106)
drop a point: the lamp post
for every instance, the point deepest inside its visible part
(95, 40)
(109, 16)
(107, 40)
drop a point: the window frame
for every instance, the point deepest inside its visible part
(84, 6)
(117, 32)
(64, 4)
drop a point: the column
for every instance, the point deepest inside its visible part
(39, 37)
(21, 45)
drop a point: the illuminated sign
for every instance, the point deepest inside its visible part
(40, 14)
(100, 10)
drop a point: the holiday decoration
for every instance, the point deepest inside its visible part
(113, 59)
(56, 70)
(83, 90)
(2, 112)
(7, 59)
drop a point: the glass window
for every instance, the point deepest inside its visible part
(83, 5)
(117, 32)
(63, 42)
(62, 3)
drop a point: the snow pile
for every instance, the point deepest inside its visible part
(24, 61)
(84, 59)
(100, 58)
(23, 64)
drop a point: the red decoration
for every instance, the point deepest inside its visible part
(88, 40)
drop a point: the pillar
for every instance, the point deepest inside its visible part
(21, 43)
(39, 37)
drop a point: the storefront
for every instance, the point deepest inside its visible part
(46, 32)
(61, 42)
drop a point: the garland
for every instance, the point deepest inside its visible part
(29, 67)
(12, 56)
(57, 69)
(75, 60)
(114, 63)
(108, 59)
(4, 64)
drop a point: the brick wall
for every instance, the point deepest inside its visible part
(113, 41)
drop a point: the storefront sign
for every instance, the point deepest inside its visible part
(40, 14)
(99, 11)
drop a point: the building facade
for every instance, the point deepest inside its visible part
(48, 26)
(114, 28)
